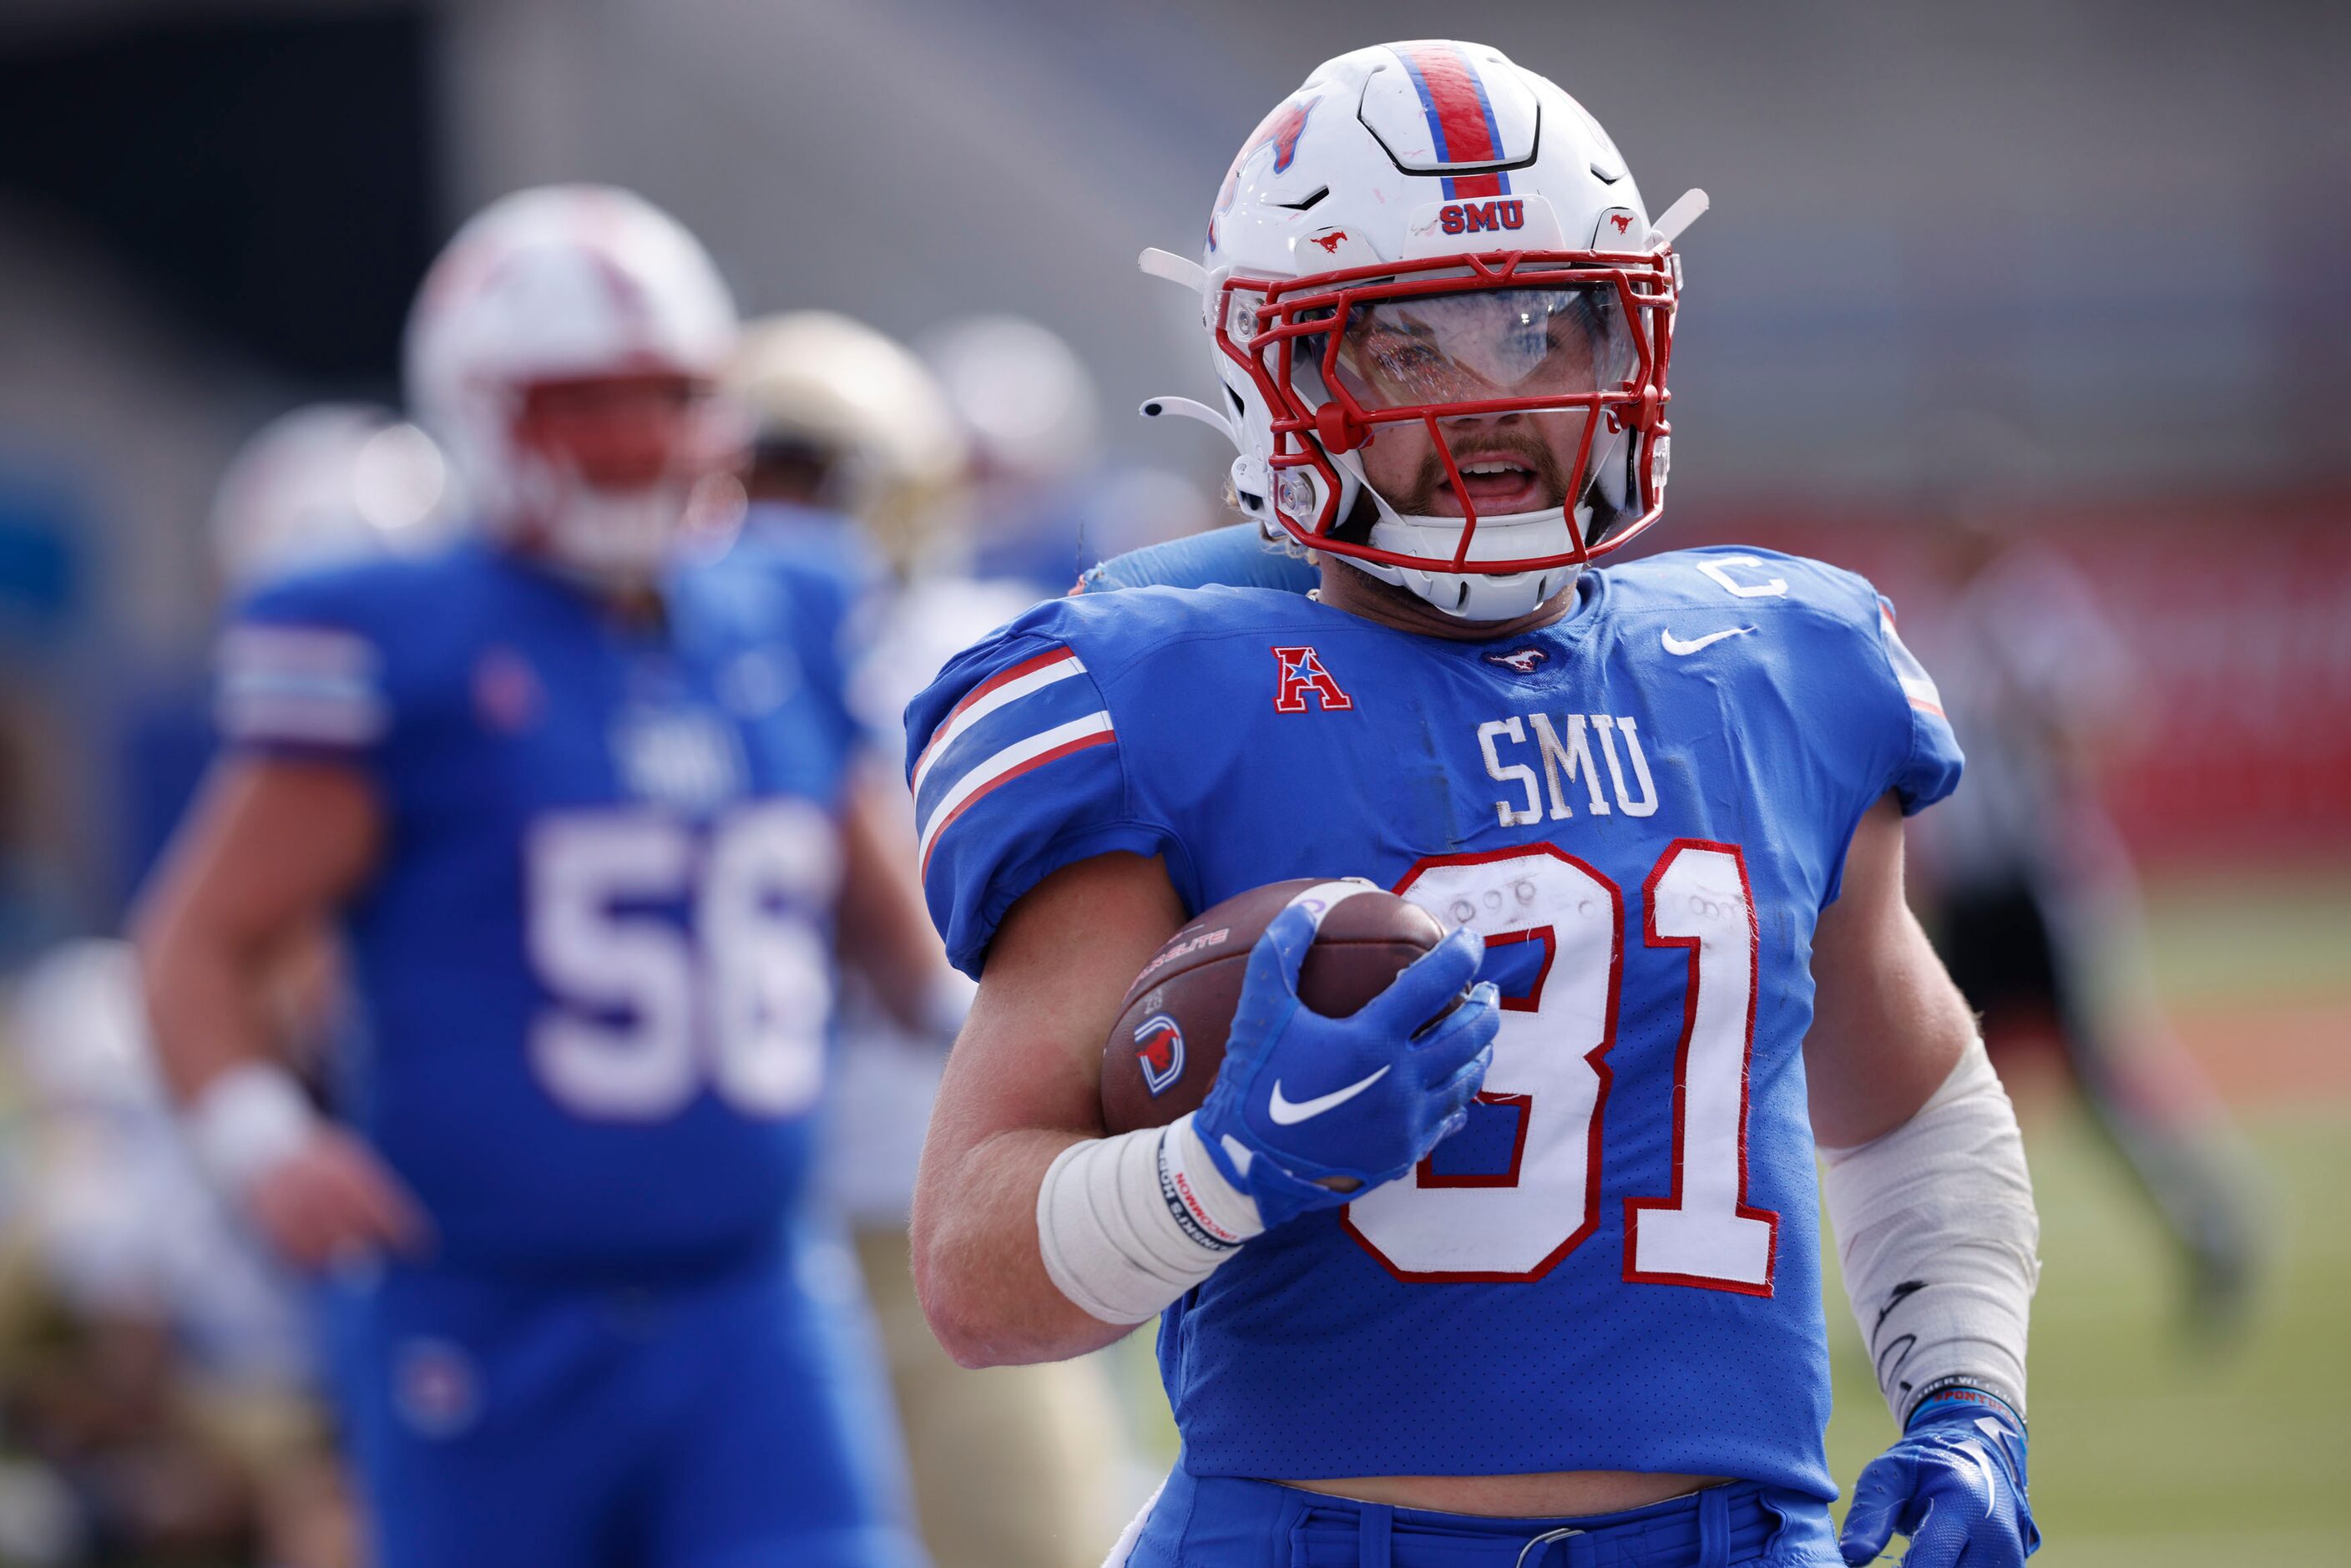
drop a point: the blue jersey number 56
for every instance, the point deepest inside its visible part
(647, 1013)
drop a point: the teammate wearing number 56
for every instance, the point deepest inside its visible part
(1538, 1285)
(576, 791)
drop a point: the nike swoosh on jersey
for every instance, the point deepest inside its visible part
(1290, 1113)
(1676, 646)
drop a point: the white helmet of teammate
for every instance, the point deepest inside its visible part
(570, 284)
(1491, 414)
(1023, 393)
(329, 482)
(863, 413)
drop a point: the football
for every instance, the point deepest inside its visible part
(1163, 1054)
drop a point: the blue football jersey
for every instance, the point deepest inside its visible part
(591, 964)
(1644, 807)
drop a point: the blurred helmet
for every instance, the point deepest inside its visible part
(863, 417)
(1442, 320)
(1023, 394)
(330, 482)
(570, 284)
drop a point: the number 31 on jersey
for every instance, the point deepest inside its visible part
(1551, 1068)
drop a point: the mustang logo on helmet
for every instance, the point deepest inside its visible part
(1280, 130)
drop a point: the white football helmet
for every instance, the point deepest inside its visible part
(566, 283)
(860, 407)
(1504, 311)
(1026, 400)
(329, 482)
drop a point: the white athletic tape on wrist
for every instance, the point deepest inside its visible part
(247, 1121)
(1128, 1224)
(1935, 1228)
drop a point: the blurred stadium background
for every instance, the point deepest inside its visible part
(2114, 234)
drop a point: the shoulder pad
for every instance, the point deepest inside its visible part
(1758, 580)
(1016, 772)
(1238, 555)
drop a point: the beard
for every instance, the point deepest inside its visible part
(1539, 481)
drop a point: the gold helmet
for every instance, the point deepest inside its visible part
(847, 418)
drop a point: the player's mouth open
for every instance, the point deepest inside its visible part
(1494, 485)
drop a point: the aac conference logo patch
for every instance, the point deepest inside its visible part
(1159, 1048)
(1301, 676)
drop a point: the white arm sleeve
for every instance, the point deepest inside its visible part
(1935, 1228)
(1128, 1224)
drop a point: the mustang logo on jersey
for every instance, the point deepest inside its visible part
(1303, 672)
(1159, 1048)
(507, 695)
(1522, 660)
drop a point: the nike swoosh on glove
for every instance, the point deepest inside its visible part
(1954, 1484)
(1361, 1098)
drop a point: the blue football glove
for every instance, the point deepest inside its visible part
(1300, 1098)
(1954, 1485)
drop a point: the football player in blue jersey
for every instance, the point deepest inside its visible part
(576, 790)
(1539, 1284)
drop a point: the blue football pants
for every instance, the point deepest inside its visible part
(735, 1420)
(1198, 1521)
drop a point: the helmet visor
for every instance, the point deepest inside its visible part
(1525, 368)
(1484, 345)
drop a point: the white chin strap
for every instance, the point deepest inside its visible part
(1475, 596)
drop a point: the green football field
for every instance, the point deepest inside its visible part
(2145, 1450)
(2148, 1448)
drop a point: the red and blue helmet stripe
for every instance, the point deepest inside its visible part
(1460, 115)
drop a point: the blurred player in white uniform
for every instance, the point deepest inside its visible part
(2035, 905)
(857, 455)
(124, 1233)
(1044, 501)
(176, 1388)
(329, 482)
